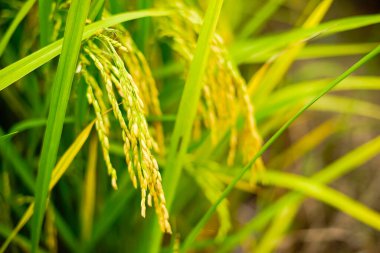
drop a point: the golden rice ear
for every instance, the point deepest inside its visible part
(224, 96)
(136, 64)
(120, 85)
(102, 122)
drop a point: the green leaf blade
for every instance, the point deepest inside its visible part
(197, 229)
(60, 95)
(24, 66)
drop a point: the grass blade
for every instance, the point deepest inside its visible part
(330, 173)
(330, 103)
(61, 167)
(274, 233)
(19, 69)
(34, 123)
(188, 105)
(293, 94)
(144, 26)
(10, 153)
(7, 136)
(195, 231)
(305, 144)
(25, 218)
(187, 111)
(275, 73)
(21, 241)
(44, 14)
(347, 105)
(16, 21)
(60, 96)
(314, 189)
(114, 207)
(317, 51)
(246, 50)
(88, 199)
(260, 18)
(323, 193)
(65, 231)
(95, 9)
(19, 107)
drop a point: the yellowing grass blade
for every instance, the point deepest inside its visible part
(313, 188)
(196, 230)
(281, 65)
(346, 105)
(88, 199)
(69, 155)
(61, 167)
(59, 99)
(337, 169)
(304, 145)
(246, 50)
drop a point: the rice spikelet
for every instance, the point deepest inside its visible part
(224, 96)
(109, 55)
(224, 101)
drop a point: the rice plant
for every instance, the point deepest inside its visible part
(189, 126)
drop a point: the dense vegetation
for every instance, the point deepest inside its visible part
(189, 126)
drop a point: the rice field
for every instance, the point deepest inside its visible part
(154, 126)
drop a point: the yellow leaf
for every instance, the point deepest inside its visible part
(58, 171)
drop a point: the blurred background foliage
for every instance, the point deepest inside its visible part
(283, 67)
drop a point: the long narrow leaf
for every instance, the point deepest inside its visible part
(61, 167)
(305, 144)
(19, 69)
(244, 51)
(296, 93)
(316, 51)
(60, 96)
(186, 112)
(88, 199)
(10, 153)
(7, 136)
(260, 18)
(193, 234)
(46, 27)
(323, 193)
(19, 240)
(281, 65)
(113, 208)
(337, 169)
(16, 21)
